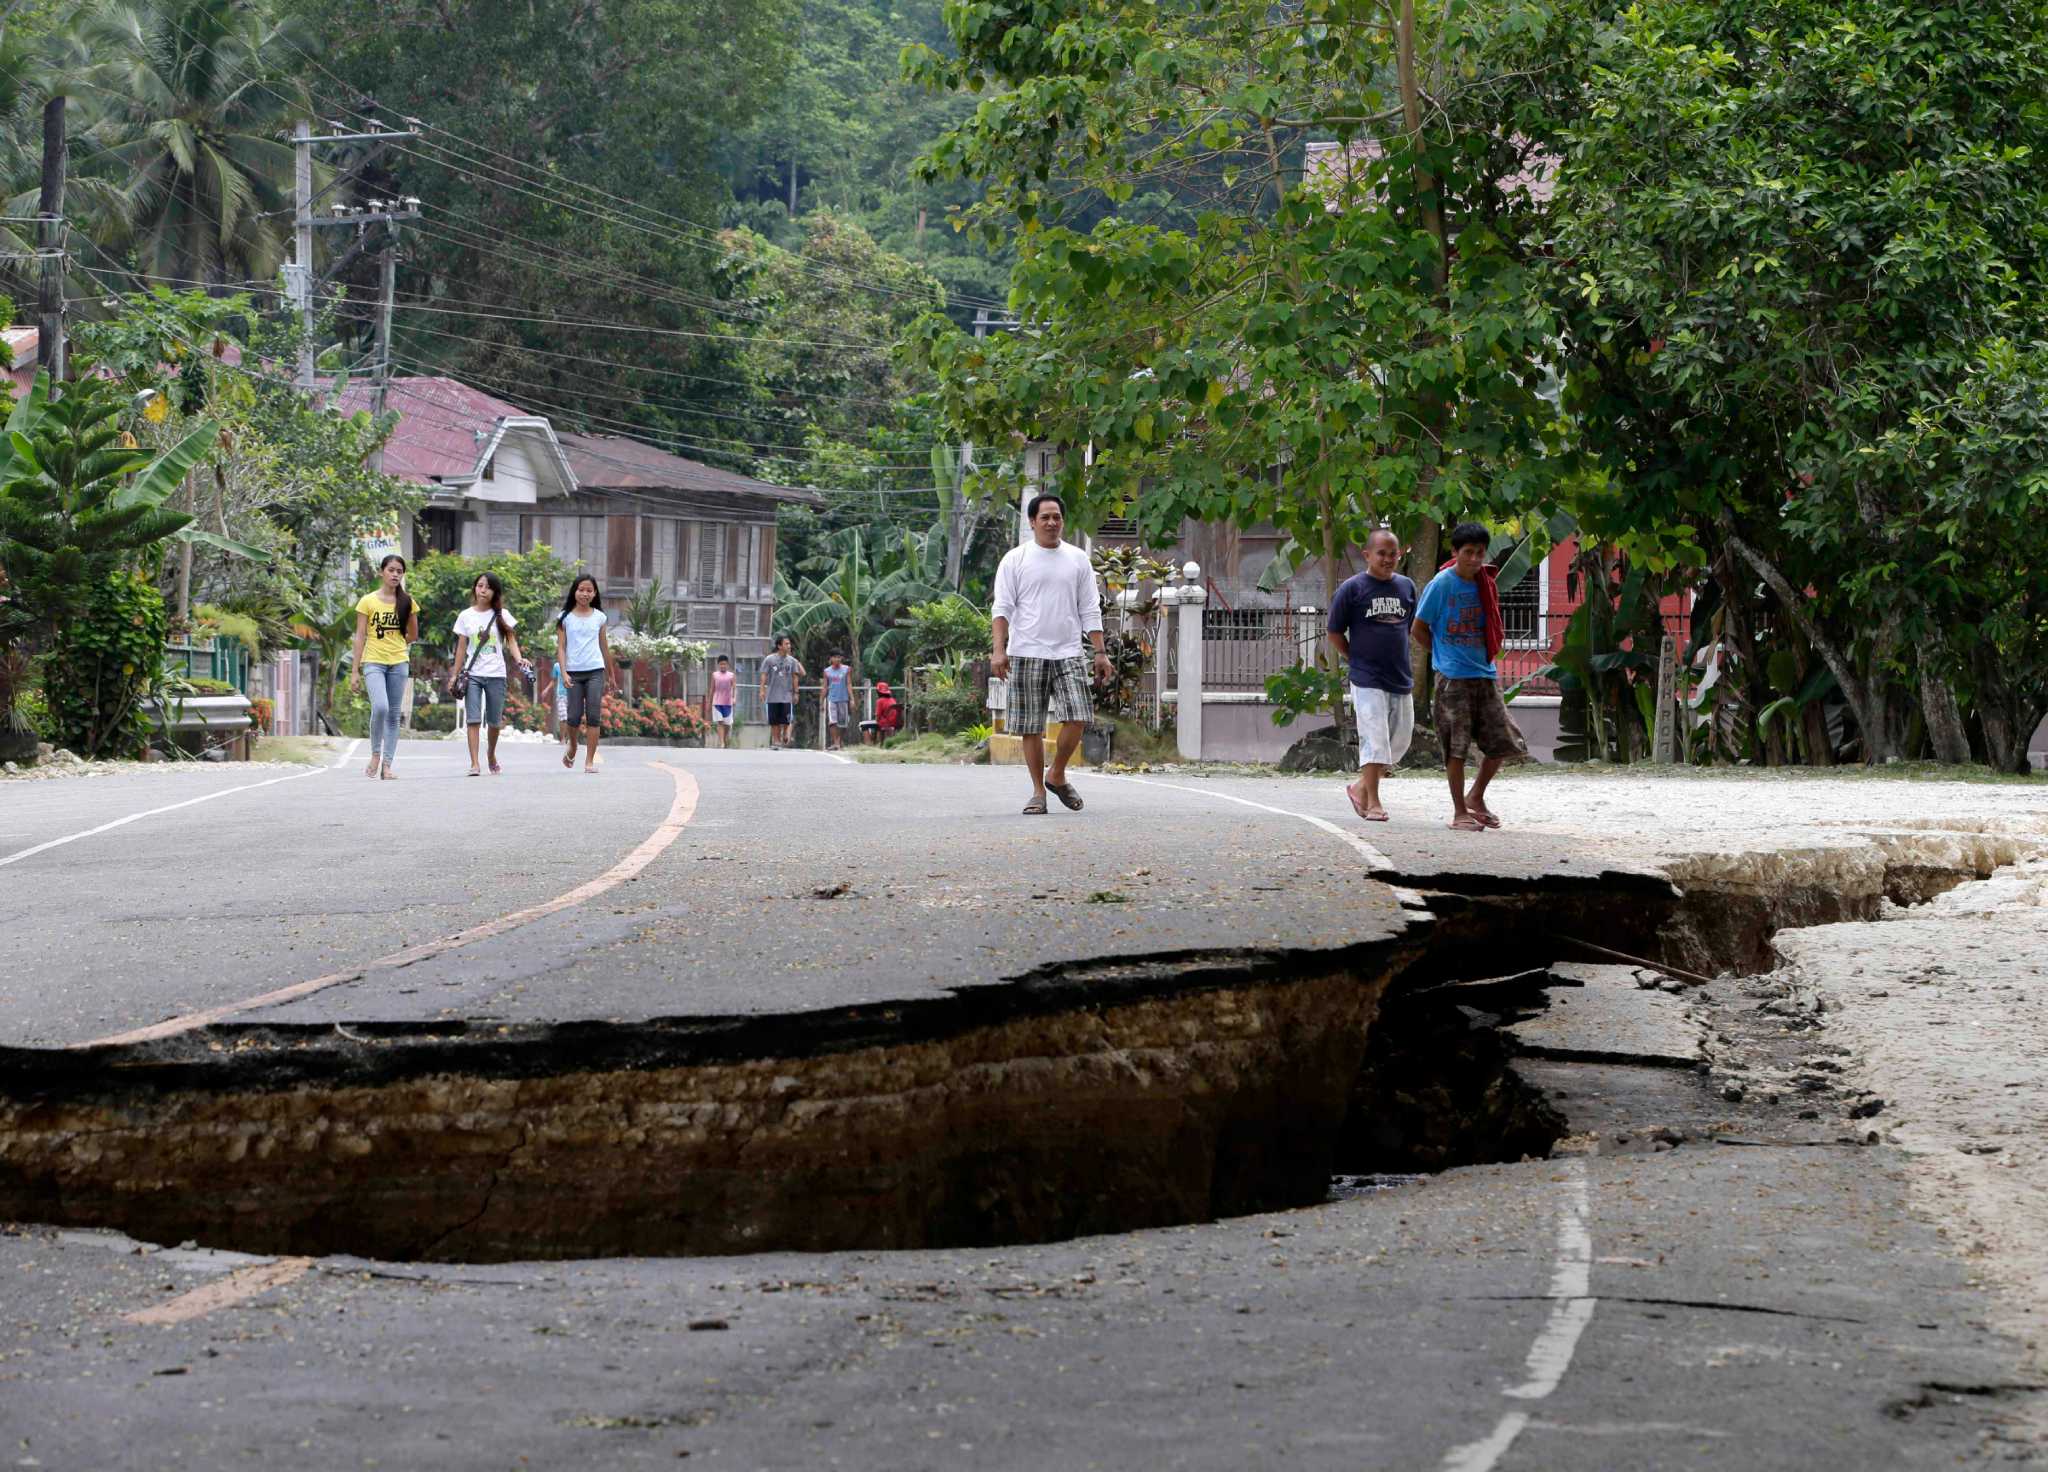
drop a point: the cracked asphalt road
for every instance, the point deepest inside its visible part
(1765, 1305)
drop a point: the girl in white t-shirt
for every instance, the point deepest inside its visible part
(483, 639)
(583, 652)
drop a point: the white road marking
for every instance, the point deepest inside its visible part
(237, 1287)
(1480, 1456)
(1374, 859)
(1572, 1305)
(29, 853)
(651, 847)
(844, 761)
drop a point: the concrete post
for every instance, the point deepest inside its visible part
(1159, 661)
(1664, 738)
(1188, 717)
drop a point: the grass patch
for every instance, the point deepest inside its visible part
(930, 747)
(312, 751)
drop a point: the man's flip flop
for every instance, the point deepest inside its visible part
(570, 759)
(1379, 816)
(1357, 802)
(1035, 808)
(1064, 791)
(1466, 823)
(1487, 820)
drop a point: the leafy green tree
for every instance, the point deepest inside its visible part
(843, 120)
(81, 513)
(824, 362)
(287, 488)
(533, 582)
(196, 97)
(947, 628)
(1324, 353)
(573, 181)
(1793, 241)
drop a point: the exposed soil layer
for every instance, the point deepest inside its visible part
(1081, 1099)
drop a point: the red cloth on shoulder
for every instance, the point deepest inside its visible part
(1489, 602)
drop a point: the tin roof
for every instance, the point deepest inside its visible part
(614, 462)
(445, 427)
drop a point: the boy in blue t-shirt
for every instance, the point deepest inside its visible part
(1369, 622)
(1458, 622)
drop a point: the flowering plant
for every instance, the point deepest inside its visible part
(664, 719)
(634, 647)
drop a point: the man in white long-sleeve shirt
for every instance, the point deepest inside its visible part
(1045, 602)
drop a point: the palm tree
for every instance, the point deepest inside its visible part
(33, 69)
(198, 95)
(856, 598)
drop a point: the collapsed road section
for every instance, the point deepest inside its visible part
(1072, 1100)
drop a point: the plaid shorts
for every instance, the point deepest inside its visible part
(1037, 683)
(1471, 713)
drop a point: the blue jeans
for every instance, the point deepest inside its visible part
(386, 686)
(483, 703)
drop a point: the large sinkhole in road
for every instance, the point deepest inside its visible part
(1084, 1099)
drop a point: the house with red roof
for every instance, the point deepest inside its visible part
(502, 479)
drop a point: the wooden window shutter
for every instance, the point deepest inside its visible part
(732, 554)
(768, 557)
(622, 544)
(710, 563)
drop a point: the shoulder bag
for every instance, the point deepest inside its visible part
(476, 646)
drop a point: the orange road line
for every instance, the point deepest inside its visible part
(240, 1285)
(679, 814)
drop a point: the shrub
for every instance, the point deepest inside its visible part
(949, 709)
(434, 718)
(261, 711)
(522, 714)
(668, 720)
(101, 663)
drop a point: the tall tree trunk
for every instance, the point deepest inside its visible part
(2009, 718)
(1938, 703)
(1869, 699)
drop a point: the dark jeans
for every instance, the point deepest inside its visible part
(586, 697)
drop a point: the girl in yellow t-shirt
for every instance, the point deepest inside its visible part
(386, 621)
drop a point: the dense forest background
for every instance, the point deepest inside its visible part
(692, 222)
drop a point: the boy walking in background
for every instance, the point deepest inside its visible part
(1369, 622)
(779, 673)
(725, 687)
(838, 701)
(1458, 622)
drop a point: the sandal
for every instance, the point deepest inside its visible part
(495, 768)
(474, 772)
(569, 757)
(1466, 823)
(1064, 791)
(1357, 802)
(1035, 808)
(1487, 820)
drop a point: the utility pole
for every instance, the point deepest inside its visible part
(299, 274)
(50, 243)
(386, 298)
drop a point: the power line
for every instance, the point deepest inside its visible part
(655, 437)
(638, 367)
(638, 207)
(794, 342)
(422, 364)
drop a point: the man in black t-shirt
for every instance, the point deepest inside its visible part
(1369, 623)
